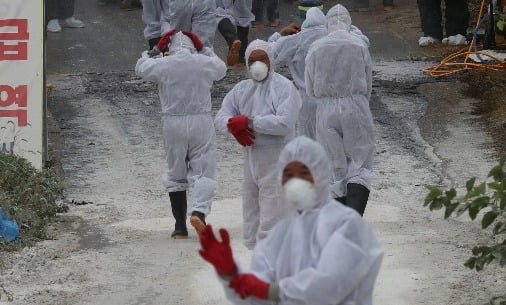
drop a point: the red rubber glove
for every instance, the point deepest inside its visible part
(165, 40)
(246, 285)
(216, 253)
(245, 137)
(196, 40)
(237, 123)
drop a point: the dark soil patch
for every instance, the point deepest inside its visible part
(489, 88)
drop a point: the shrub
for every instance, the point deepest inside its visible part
(30, 196)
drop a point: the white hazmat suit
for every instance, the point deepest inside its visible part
(323, 255)
(273, 104)
(234, 19)
(155, 17)
(237, 11)
(198, 16)
(151, 16)
(293, 50)
(184, 80)
(338, 74)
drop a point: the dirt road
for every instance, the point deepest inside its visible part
(117, 249)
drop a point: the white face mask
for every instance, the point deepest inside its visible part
(300, 193)
(258, 71)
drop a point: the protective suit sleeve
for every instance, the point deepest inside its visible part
(216, 67)
(357, 32)
(285, 47)
(344, 262)
(207, 51)
(150, 69)
(282, 122)
(228, 109)
(274, 37)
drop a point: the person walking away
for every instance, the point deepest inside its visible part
(152, 17)
(291, 45)
(184, 79)
(260, 113)
(234, 22)
(320, 253)
(339, 75)
(198, 16)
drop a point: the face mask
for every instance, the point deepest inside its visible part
(300, 193)
(258, 71)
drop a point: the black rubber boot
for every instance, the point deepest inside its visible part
(178, 204)
(242, 34)
(356, 197)
(341, 199)
(227, 30)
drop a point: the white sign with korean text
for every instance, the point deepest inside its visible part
(22, 79)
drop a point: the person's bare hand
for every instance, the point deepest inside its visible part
(290, 29)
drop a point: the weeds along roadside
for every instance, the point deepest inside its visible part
(32, 197)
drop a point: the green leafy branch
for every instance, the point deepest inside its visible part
(488, 197)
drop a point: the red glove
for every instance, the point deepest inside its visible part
(196, 40)
(245, 137)
(237, 123)
(246, 285)
(165, 40)
(216, 253)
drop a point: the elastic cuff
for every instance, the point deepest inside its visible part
(250, 123)
(274, 293)
(229, 277)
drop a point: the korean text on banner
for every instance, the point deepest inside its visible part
(22, 79)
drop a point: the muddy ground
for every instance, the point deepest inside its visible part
(106, 129)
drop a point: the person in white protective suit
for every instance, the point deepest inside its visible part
(321, 253)
(151, 16)
(338, 74)
(155, 17)
(198, 16)
(184, 80)
(260, 113)
(291, 46)
(234, 20)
